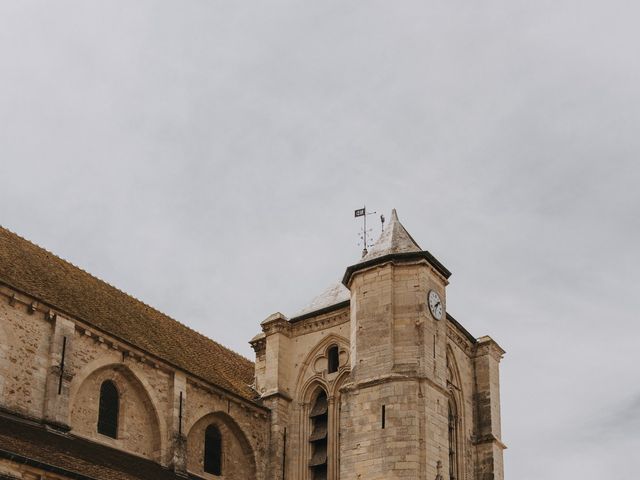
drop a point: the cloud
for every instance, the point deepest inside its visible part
(207, 157)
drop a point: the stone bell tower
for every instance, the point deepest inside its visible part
(394, 416)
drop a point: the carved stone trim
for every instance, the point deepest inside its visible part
(321, 323)
(489, 438)
(394, 377)
(459, 340)
(236, 402)
(488, 346)
(259, 345)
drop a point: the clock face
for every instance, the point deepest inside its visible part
(435, 305)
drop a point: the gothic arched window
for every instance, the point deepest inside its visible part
(213, 450)
(453, 441)
(333, 359)
(108, 409)
(319, 416)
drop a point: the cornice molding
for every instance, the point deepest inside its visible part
(391, 378)
(399, 258)
(276, 323)
(323, 322)
(488, 346)
(223, 395)
(489, 438)
(461, 341)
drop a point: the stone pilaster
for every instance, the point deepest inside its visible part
(277, 451)
(56, 403)
(488, 441)
(275, 386)
(178, 414)
(275, 379)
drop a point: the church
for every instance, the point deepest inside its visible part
(373, 380)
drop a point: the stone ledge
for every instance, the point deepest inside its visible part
(489, 438)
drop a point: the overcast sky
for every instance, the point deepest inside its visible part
(207, 156)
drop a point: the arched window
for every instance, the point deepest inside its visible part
(213, 450)
(453, 441)
(333, 359)
(319, 416)
(108, 409)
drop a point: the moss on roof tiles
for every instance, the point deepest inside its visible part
(54, 281)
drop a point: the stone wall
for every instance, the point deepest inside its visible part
(392, 354)
(138, 419)
(24, 355)
(371, 450)
(238, 460)
(461, 386)
(293, 369)
(33, 341)
(244, 453)
(489, 446)
(394, 409)
(416, 367)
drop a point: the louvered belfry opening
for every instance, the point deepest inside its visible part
(213, 450)
(108, 409)
(319, 425)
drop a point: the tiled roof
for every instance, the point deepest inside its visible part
(32, 444)
(38, 273)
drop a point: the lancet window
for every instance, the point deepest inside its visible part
(213, 450)
(108, 409)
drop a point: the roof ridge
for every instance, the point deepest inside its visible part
(132, 297)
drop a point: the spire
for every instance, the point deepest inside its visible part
(394, 244)
(394, 239)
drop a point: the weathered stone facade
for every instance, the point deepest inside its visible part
(148, 418)
(414, 397)
(366, 383)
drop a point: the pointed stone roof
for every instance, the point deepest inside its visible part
(394, 239)
(333, 296)
(395, 244)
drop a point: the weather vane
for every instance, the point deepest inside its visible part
(362, 212)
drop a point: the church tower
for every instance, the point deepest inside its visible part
(376, 380)
(395, 409)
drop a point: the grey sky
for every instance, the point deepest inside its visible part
(206, 157)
